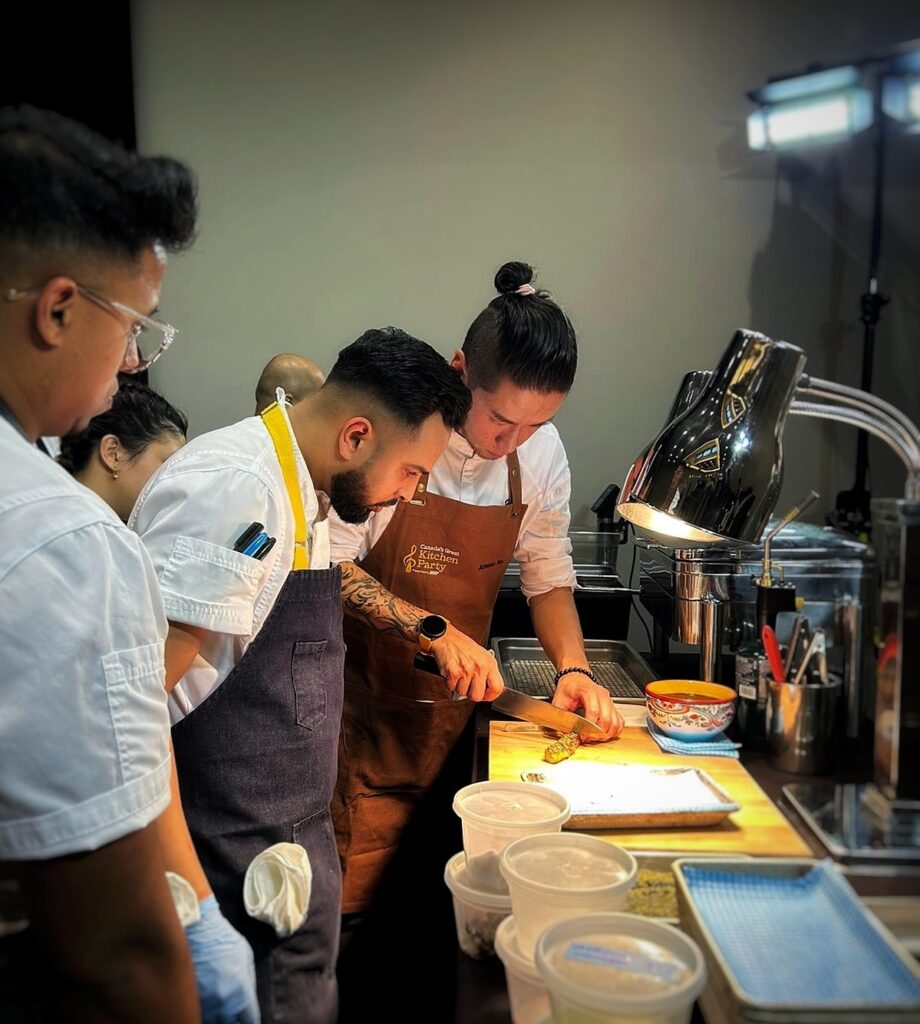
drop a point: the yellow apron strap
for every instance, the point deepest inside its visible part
(276, 424)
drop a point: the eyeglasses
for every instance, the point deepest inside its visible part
(142, 328)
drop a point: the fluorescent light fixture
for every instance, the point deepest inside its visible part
(815, 84)
(827, 117)
(901, 100)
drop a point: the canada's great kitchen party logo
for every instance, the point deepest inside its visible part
(430, 559)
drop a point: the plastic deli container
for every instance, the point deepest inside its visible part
(494, 814)
(619, 969)
(564, 874)
(477, 914)
(527, 995)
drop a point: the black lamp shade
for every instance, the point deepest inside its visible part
(714, 473)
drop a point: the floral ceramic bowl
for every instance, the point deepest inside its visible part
(688, 709)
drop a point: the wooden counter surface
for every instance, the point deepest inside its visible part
(759, 828)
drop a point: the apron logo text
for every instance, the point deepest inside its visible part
(430, 559)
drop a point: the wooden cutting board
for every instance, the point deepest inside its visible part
(759, 828)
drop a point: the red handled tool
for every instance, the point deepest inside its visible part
(771, 646)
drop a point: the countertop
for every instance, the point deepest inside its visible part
(758, 828)
(409, 935)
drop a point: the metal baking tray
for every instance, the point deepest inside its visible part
(609, 796)
(767, 937)
(618, 667)
(901, 916)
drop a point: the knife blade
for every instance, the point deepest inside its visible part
(541, 712)
(530, 709)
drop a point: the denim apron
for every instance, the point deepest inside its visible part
(399, 724)
(257, 765)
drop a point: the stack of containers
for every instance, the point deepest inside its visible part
(493, 814)
(553, 877)
(548, 902)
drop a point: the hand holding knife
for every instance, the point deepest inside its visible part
(530, 709)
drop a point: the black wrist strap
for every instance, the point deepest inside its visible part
(565, 671)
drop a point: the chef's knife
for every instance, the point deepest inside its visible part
(530, 709)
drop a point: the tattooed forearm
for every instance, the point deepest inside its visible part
(370, 601)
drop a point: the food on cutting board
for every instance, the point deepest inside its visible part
(564, 747)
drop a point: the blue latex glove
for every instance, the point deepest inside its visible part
(224, 968)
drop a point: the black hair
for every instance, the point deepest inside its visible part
(526, 338)
(406, 376)
(139, 417)
(64, 187)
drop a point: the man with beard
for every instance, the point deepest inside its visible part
(254, 654)
(425, 576)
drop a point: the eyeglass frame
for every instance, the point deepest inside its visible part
(110, 305)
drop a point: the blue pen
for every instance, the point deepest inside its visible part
(247, 535)
(264, 550)
(256, 542)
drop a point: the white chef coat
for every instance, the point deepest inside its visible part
(84, 753)
(189, 516)
(543, 548)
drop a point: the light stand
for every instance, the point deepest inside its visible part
(831, 105)
(853, 510)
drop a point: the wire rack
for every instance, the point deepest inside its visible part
(536, 678)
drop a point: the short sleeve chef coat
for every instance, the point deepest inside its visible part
(189, 516)
(84, 754)
(543, 549)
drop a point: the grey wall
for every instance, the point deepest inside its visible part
(365, 163)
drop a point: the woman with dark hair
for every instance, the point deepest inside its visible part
(121, 449)
(425, 575)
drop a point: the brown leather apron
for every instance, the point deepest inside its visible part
(399, 724)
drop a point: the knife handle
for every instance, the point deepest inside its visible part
(426, 663)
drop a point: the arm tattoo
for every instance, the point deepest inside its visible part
(366, 599)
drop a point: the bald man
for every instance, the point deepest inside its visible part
(298, 376)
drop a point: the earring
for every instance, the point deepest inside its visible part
(115, 473)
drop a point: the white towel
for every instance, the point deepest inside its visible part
(188, 908)
(277, 887)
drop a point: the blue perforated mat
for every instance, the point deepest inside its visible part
(804, 940)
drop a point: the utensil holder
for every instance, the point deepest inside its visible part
(801, 726)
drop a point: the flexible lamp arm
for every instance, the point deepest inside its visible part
(860, 409)
(858, 400)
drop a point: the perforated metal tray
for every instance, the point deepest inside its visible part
(617, 666)
(771, 937)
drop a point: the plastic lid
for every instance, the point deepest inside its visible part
(620, 963)
(569, 862)
(510, 804)
(509, 952)
(457, 879)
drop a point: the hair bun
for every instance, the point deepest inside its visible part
(511, 276)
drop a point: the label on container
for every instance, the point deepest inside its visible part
(747, 691)
(623, 960)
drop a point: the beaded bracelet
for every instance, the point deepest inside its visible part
(564, 671)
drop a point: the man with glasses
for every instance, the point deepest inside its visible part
(84, 735)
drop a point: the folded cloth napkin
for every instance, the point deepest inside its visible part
(717, 746)
(184, 897)
(277, 887)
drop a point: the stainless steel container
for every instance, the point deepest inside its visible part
(705, 596)
(800, 726)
